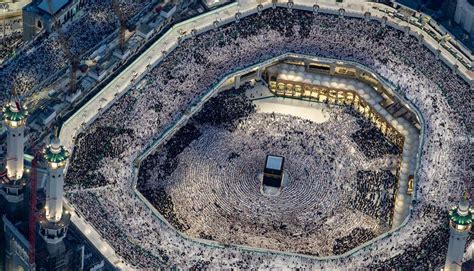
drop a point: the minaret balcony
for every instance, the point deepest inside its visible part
(54, 231)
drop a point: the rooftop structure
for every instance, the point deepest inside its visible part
(168, 10)
(56, 5)
(40, 15)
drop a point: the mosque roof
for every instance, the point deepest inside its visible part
(56, 5)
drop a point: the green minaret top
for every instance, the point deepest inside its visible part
(461, 215)
(55, 153)
(14, 114)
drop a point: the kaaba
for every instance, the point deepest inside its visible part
(273, 171)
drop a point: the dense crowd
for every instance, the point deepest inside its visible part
(83, 169)
(374, 193)
(11, 33)
(208, 174)
(45, 56)
(198, 63)
(368, 137)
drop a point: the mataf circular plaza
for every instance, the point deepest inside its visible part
(276, 136)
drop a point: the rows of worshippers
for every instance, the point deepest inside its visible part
(199, 63)
(228, 140)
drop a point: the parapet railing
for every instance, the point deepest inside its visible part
(440, 33)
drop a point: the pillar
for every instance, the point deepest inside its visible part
(54, 194)
(332, 70)
(406, 30)
(237, 81)
(15, 149)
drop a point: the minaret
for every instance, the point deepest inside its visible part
(14, 115)
(460, 222)
(53, 226)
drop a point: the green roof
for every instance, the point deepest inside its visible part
(9, 114)
(55, 157)
(460, 219)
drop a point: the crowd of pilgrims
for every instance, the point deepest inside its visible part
(228, 140)
(45, 56)
(12, 38)
(368, 136)
(144, 241)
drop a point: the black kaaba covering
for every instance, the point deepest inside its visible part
(273, 171)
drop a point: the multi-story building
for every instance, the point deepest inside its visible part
(464, 15)
(45, 15)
